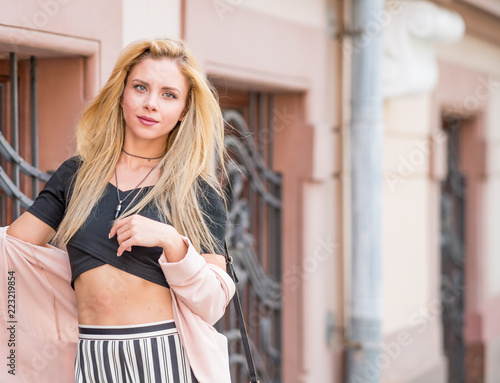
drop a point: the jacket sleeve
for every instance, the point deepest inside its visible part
(38, 307)
(205, 288)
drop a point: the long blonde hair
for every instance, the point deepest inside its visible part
(193, 147)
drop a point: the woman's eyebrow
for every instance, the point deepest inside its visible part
(163, 88)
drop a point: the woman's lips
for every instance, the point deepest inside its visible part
(148, 121)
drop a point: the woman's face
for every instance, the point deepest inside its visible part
(153, 101)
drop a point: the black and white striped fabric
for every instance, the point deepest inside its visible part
(149, 353)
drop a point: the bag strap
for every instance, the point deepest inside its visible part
(241, 321)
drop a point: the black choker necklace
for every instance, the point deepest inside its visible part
(144, 158)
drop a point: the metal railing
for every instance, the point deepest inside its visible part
(254, 241)
(11, 163)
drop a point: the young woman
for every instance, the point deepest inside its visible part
(135, 209)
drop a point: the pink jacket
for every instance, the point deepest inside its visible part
(39, 315)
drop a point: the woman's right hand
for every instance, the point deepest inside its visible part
(29, 228)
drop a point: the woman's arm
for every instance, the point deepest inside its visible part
(31, 229)
(202, 286)
(215, 259)
(39, 223)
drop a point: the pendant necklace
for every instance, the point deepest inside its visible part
(120, 201)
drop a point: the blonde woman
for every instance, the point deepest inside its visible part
(135, 209)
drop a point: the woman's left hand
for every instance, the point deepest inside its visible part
(136, 230)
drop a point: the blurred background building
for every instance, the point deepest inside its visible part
(282, 69)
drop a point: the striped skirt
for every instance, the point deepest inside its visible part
(149, 353)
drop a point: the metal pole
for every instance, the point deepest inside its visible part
(14, 128)
(365, 337)
(34, 124)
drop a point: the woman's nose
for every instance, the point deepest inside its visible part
(151, 103)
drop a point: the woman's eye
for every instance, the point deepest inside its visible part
(140, 87)
(169, 95)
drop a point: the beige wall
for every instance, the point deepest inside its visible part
(411, 316)
(310, 12)
(151, 19)
(406, 241)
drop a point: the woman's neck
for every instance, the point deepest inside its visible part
(140, 155)
(134, 163)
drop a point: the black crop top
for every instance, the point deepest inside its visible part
(90, 247)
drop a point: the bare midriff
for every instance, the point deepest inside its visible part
(108, 296)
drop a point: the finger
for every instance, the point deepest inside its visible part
(117, 225)
(127, 231)
(123, 236)
(114, 229)
(125, 246)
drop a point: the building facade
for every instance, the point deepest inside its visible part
(282, 71)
